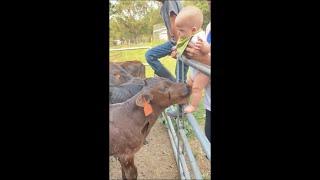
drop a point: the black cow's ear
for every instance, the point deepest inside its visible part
(143, 97)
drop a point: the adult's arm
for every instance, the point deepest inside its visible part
(172, 25)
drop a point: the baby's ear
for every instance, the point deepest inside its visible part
(194, 29)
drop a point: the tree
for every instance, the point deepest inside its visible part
(132, 20)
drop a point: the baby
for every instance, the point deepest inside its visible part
(188, 25)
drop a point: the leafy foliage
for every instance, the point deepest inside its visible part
(134, 19)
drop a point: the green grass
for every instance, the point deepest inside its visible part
(200, 114)
(168, 62)
(139, 54)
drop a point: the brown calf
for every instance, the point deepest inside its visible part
(134, 68)
(131, 121)
(118, 75)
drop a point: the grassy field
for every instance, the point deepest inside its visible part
(168, 62)
(139, 54)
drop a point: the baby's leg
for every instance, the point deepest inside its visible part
(189, 81)
(199, 83)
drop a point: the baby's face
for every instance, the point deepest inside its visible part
(183, 30)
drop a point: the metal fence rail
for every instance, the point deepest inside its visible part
(184, 172)
(132, 48)
(205, 144)
(197, 65)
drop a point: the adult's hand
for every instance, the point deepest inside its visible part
(192, 52)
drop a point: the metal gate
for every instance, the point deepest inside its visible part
(178, 138)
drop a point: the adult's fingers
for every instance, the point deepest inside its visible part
(199, 39)
(188, 49)
(189, 52)
(198, 46)
(191, 45)
(193, 49)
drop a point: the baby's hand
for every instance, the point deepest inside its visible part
(202, 46)
(174, 52)
(189, 109)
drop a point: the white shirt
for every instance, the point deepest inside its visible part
(207, 97)
(193, 40)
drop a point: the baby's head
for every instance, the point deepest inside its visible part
(188, 21)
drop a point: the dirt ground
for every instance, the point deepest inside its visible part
(156, 159)
(203, 162)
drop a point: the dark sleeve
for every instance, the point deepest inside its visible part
(174, 6)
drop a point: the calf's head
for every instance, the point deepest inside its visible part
(118, 76)
(164, 94)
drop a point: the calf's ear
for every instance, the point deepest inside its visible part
(142, 98)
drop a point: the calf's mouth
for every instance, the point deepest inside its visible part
(186, 91)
